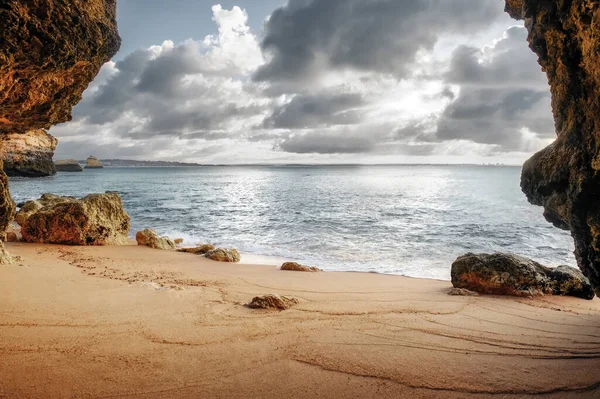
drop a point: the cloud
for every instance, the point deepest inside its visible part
(198, 89)
(317, 110)
(308, 37)
(503, 96)
(331, 81)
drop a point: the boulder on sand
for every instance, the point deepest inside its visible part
(68, 165)
(30, 207)
(150, 238)
(296, 267)
(93, 163)
(199, 250)
(97, 219)
(507, 274)
(273, 301)
(224, 255)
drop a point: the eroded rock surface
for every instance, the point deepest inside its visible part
(296, 267)
(150, 238)
(564, 178)
(68, 165)
(7, 205)
(273, 301)
(224, 255)
(199, 250)
(28, 154)
(93, 163)
(97, 219)
(507, 274)
(49, 52)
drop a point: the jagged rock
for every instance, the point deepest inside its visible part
(565, 280)
(93, 163)
(50, 52)
(199, 250)
(97, 219)
(462, 292)
(564, 178)
(28, 154)
(178, 241)
(68, 165)
(273, 301)
(224, 255)
(30, 207)
(296, 267)
(150, 238)
(507, 274)
(7, 205)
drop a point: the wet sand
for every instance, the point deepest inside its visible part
(121, 322)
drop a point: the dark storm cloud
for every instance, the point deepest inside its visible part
(308, 36)
(317, 110)
(502, 91)
(325, 143)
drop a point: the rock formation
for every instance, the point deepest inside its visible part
(30, 207)
(28, 154)
(224, 255)
(68, 165)
(7, 205)
(93, 163)
(150, 238)
(273, 301)
(49, 52)
(5, 257)
(564, 178)
(98, 219)
(199, 250)
(506, 274)
(296, 267)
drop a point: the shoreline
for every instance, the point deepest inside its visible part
(130, 322)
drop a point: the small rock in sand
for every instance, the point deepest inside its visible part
(462, 292)
(224, 255)
(273, 301)
(296, 267)
(199, 250)
(150, 238)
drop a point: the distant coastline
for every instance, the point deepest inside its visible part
(122, 163)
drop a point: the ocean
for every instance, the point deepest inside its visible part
(407, 220)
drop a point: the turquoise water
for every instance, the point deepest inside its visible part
(409, 220)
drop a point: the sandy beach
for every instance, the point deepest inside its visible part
(119, 322)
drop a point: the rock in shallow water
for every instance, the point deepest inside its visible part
(224, 255)
(507, 274)
(93, 163)
(296, 267)
(273, 301)
(68, 165)
(28, 154)
(150, 238)
(98, 219)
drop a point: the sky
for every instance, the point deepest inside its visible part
(315, 81)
